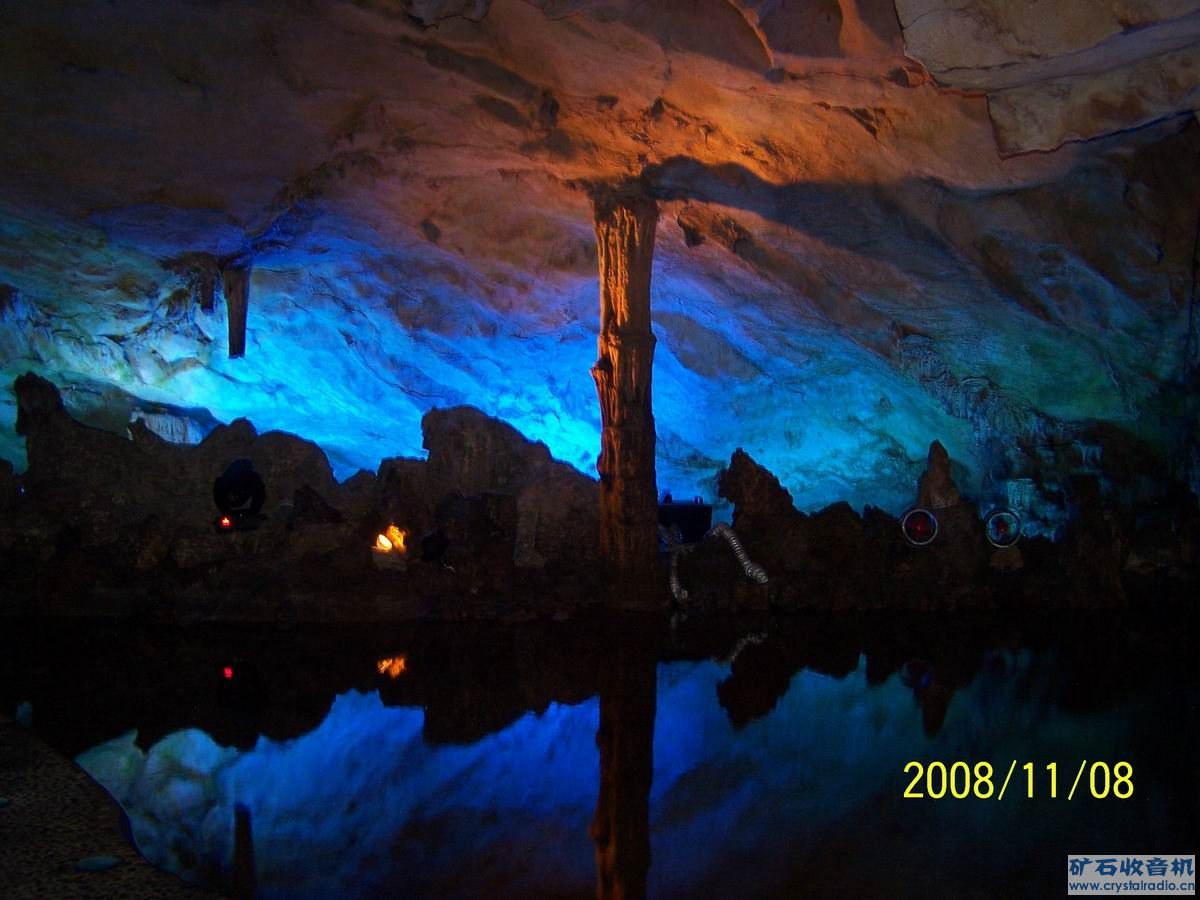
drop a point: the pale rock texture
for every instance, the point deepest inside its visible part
(1045, 114)
(1061, 70)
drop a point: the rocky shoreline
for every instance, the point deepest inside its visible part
(62, 835)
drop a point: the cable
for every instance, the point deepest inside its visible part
(753, 571)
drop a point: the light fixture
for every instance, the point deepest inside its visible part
(389, 551)
(392, 666)
(1002, 527)
(920, 526)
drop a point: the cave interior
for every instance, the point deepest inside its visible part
(430, 426)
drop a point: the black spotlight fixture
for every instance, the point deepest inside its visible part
(693, 518)
(920, 527)
(239, 493)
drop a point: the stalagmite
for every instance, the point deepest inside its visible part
(625, 224)
(236, 285)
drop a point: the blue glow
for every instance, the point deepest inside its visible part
(349, 346)
(362, 800)
(327, 808)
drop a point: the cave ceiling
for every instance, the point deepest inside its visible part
(882, 223)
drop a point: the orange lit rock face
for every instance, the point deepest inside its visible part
(1062, 70)
(346, 107)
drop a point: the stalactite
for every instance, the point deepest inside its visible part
(206, 287)
(625, 224)
(235, 282)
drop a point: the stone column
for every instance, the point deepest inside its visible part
(625, 223)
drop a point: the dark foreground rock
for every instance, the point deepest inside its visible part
(111, 525)
(106, 525)
(837, 559)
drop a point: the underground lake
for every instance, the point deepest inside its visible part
(734, 757)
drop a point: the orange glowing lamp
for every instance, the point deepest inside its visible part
(389, 553)
(391, 540)
(396, 536)
(226, 522)
(392, 666)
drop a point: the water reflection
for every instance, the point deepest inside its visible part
(621, 824)
(755, 759)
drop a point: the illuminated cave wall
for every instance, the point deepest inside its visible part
(351, 346)
(855, 256)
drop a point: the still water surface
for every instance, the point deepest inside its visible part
(742, 759)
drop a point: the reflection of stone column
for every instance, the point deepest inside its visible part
(621, 824)
(625, 222)
(244, 881)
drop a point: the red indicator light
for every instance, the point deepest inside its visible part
(1002, 527)
(226, 522)
(919, 527)
(228, 673)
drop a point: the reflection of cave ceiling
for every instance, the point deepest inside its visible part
(988, 240)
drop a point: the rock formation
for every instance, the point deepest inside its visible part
(936, 488)
(837, 559)
(499, 529)
(470, 453)
(626, 220)
(860, 246)
(1061, 71)
(134, 514)
(763, 514)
